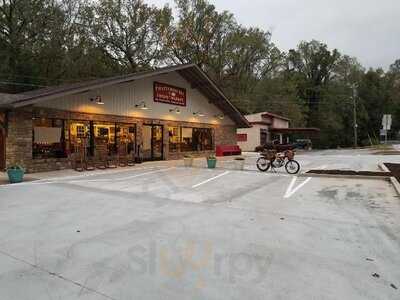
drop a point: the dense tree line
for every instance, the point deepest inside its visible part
(48, 42)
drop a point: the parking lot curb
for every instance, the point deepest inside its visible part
(344, 176)
(393, 180)
(383, 167)
(396, 184)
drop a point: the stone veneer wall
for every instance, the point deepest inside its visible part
(225, 135)
(19, 136)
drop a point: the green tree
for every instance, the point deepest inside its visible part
(199, 34)
(279, 96)
(130, 32)
(250, 57)
(23, 25)
(393, 77)
(234, 56)
(312, 64)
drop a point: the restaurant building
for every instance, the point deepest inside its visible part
(154, 115)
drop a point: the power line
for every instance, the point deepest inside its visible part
(49, 78)
(20, 83)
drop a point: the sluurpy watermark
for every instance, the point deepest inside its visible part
(188, 258)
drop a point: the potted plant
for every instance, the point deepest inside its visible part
(211, 161)
(239, 163)
(15, 173)
(188, 161)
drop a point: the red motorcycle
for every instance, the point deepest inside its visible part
(274, 160)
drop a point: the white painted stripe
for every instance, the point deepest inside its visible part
(82, 177)
(290, 191)
(87, 174)
(210, 179)
(123, 178)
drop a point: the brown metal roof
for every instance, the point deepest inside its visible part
(7, 99)
(261, 123)
(191, 72)
(295, 130)
(268, 114)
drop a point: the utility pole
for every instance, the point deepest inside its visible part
(355, 114)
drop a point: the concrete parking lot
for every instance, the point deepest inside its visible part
(162, 231)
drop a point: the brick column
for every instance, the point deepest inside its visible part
(139, 139)
(225, 135)
(166, 141)
(19, 137)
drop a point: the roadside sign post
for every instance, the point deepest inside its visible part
(386, 125)
(355, 125)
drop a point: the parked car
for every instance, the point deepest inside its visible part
(305, 144)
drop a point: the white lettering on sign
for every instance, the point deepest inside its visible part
(169, 94)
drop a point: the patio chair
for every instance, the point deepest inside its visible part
(112, 158)
(130, 148)
(101, 156)
(78, 158)
(123, 158)
(90, 164)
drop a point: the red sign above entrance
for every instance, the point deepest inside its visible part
(169, 94)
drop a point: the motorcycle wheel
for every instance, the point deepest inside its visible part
(292, 167)
(263, 164)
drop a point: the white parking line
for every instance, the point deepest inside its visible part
(91, 174)
(290, 191)
(74, 179)
(210, 179)
(123, 178)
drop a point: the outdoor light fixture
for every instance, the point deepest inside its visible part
(142, 105)
(97, 100)
(220, 116)
(175, 110)
(198, 114)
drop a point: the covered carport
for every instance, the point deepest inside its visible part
(309, 133)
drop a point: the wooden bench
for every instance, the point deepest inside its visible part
(227, 150)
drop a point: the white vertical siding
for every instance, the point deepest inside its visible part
(253, 137)
(279, 123)
(121, 99)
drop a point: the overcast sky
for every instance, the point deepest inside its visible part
(366, 29)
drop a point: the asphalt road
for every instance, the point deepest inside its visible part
(167, 232)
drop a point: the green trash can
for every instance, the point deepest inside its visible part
(211, 163)
(15, 175)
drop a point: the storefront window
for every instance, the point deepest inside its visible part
(105, 137)
(197, 139)
(126, 137)
(202, 139)
(49, 138)
(187, 139)
(174, 138)
(79, 137)
(101, 137)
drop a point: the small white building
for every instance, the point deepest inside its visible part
(267, 127)
(261, 131)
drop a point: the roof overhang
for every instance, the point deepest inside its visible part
(191, 72)
(265, 123)
(271, 115)
(296, 130)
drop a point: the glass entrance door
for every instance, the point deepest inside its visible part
(153, 142)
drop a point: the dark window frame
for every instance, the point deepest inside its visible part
(199, 146)
(62, 152)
